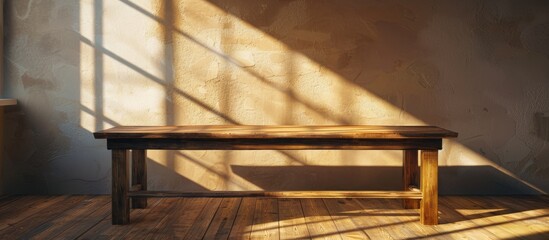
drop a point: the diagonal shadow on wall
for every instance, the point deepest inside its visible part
(375, 45)
(414, 91)
(381, 48)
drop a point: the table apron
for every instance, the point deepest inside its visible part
(275, 144)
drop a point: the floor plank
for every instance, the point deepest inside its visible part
(366, 219)
(178, 223)
(291, 220)
(482, 216)
(384, 217)
(527, 217)
(242, 226)
(149, 223)
(265, 224)
(202, 222)
(104, 229)
(6, 199)
(409, 217)
(346, 227)
(41, 219)
(222, 222)
(454, 225)
(85, 223)
(318, 220)
(23, 208)
(88, 217)
(70, 218)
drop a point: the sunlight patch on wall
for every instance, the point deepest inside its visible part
(193, 62)
(87, 76)
(223, 68)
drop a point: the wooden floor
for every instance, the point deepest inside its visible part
(88, 217)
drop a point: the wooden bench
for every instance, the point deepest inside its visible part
(411, 139)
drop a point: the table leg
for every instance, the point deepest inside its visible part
(120, 185)
(139, 175)
(410, 172)
(429, 187)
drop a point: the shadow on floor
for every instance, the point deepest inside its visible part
(454, 180)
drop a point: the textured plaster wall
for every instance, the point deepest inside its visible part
(480, 68)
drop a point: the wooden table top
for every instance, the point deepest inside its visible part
(276, 131)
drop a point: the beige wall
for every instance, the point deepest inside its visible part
(476, 67)
(1, 95)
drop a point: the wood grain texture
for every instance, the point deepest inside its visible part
(249, 137)
(449, 227)
(220, 226)
(461, 217)
(282, 194)
(135, 187)
(120, 187)
(103, 228)
(202, 222)
(58, 227)
(484, 217)
(504, 218)
(537, 219)
(178, 222)
(84, 223)
(265, 219)
(411, 227)
(6, 199)
(291, 220)
(25, 207)
(362, 214)
(139, 175)
(346, 227)
(410, 176)
(139, 230)
(318, 220)
(242, 226)
(278, 131)
(382, 215)
(41, 219)
(429, 187)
